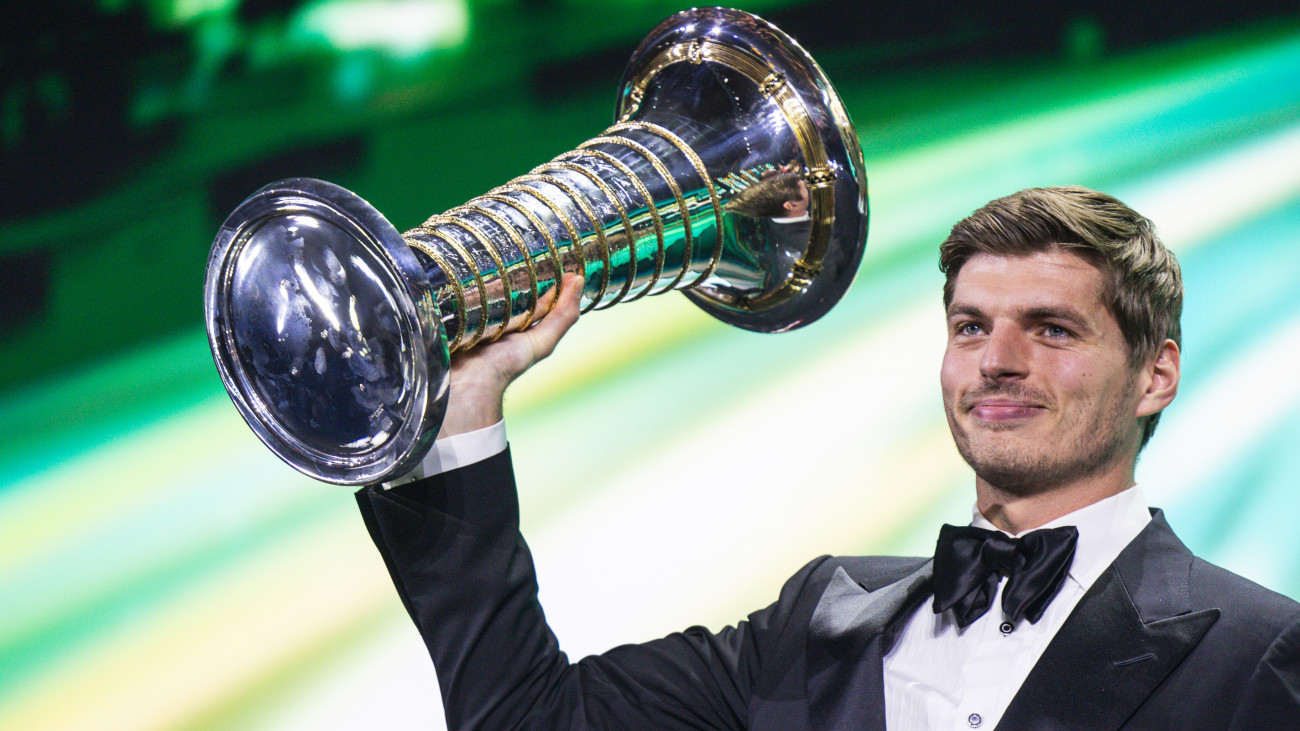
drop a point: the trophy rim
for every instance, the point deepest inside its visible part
(425, 363)
(849, 213)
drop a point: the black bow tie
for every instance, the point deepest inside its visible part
(969, 562)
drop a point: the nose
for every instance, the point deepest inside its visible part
(1005, 355)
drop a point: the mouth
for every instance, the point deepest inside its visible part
(1004, 411)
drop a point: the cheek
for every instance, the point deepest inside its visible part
(950, 374)
(1086, 380)
(1079, 380)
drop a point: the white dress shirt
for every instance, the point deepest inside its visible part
(792, 219)
(457, 451)
(939, 677)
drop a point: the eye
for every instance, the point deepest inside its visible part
(967, 329)
(1056, 332)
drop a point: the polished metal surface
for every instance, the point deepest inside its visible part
(324, 332)
(746, 97)
(332, 332)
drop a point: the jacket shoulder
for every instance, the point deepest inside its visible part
(1238, 598)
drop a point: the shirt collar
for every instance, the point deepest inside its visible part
(1105, 528)
(791, 219)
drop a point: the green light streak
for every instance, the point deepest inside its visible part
(137, 486)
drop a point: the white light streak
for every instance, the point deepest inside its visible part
(401, 27)
(323, 306)
(1195, 203)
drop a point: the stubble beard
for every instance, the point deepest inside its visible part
(1022, 465)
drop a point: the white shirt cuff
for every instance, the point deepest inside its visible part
(457, 451)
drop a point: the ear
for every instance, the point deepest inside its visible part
(1162, 377)
(789, 206)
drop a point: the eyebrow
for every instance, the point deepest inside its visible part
(1067, 314)
(1058, 313)
(967, 310)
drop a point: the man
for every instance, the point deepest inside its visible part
(1067, 605)
(772, 228)
(778, 194)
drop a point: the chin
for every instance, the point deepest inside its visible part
(1013, 479)
(1013, 461)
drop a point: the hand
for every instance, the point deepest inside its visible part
(480, 375)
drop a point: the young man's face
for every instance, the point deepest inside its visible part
(1036, 379)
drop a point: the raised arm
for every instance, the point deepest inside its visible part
(452, 545)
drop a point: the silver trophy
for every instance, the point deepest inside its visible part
(333, 332)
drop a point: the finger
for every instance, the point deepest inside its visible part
(546, 334)
(568, 282)
(501, 362)
(545, 303)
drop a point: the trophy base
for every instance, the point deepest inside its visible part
(325, 332)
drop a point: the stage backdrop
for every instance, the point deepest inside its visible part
(159, 569)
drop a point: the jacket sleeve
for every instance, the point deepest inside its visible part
(452, 545)
(1272, 699)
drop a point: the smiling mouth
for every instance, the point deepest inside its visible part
(1002, 411)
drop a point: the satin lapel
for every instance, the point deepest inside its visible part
(1130, 630)
(846, 687)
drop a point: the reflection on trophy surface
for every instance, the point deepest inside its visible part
(770, 229)
(332, 332)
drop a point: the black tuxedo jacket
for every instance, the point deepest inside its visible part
(1162, 640)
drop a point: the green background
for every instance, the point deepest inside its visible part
(159, 569)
